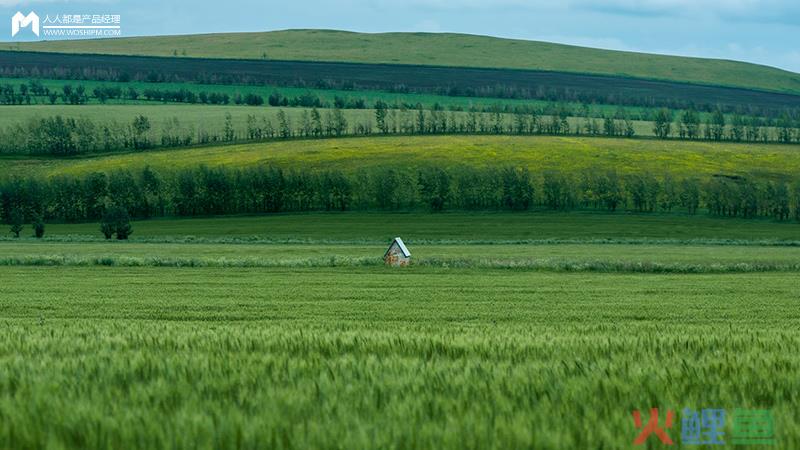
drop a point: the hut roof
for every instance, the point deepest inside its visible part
(400, 244)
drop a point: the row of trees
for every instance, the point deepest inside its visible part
(17, 221)
(60, 136)
(34, 91)
(216, 191)
(115, 222)
(688, 125)
(454, 84)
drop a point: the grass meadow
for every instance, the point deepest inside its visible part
(539, 153)
(451, 227)
(579, 252)
(545, 241)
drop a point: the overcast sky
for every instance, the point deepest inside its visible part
(761, 31)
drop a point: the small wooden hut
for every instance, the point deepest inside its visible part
(397, 254)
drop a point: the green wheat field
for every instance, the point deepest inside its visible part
(287, 331)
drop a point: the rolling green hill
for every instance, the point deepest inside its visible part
(567, 154)
(444, 49)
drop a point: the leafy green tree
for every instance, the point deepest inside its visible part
(385, 188)
(253, 130)
(497, 120)
(534, 123)
(558, 191)
(116, 221)
(609, 127)
(141, 128)
(38, 226)
(779, 201)
(95, 188)
(707, 130)
(690, 124)
(753, 129)
(662, 123)
(591, 126)
(17, 221)
(305, 123)
(152, 190)
(718, 125)
(607, 190)
(472, 120)
(668, 196)
(795, 200)
(520, 122)
(690, 195)
(785, 129)
(629, 130)
(737, 131)
(124, 191)
(517, 188)
(643, 190)
(68, 92)
(107, 227)
(335, 191)
(228, 131)
(434, 188)
(339, 122)
(381, 109)
(421, 128)
(316, 123)
(438, 121)
(554, 126)
(564, 122)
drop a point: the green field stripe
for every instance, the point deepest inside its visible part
(549, 265)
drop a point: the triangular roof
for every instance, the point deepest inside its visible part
(400, 244)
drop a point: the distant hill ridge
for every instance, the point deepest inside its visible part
(441, 49)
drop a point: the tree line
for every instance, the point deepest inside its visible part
(218, 191)
(455, 83)
(34, 92)
(66, 136)
(688, 125)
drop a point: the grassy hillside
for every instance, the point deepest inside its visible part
(539, 153)
(443, 49)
